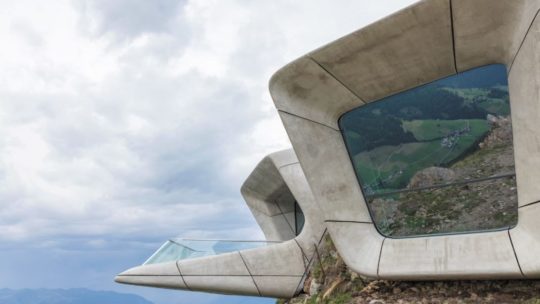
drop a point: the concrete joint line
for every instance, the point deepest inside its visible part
(515, 253)
(286, 165)
(522, 43)
(304, 256)
(247, 268)
(311, 120)
(182, 276)
(286, 220)
(241, 275)
(380, 255)
(352, 222)
(529, 204)
(336, 78)
(453, 34)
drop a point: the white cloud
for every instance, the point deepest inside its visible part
(137, 119)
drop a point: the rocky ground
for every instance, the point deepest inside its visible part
(330, 281)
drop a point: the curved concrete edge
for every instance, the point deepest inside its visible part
(359, 245)
(526, 240)
(269, 198)
(371, 61)
(164, 275)
(284, 259)
(481, 39)
(271, 271)
(524, 86)
(477, 39)
(467, 256)
(328, 169)
(278, 286)
(303, 88)
(294, 177)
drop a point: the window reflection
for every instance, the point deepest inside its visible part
(437, 158)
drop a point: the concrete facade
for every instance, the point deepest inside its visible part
(428, 41)
(276, 270)
(420, 44)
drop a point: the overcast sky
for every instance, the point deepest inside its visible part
(125, 122)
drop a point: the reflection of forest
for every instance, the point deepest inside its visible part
(488, 204)
(437, 158)
(392, 140)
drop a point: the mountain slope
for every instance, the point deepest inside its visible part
(67, 296)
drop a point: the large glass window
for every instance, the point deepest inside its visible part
(437, 158)
(183, 249)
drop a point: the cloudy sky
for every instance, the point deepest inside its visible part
(125, 122)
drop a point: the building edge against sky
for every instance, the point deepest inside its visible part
(428, 41)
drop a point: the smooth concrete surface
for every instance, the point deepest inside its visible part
(167, 282)
(269, 198)
(223, 264)
(164, 275)
(306, 90)
(488, 31)
(276, 287)
(359, 244)
(240, 285)
(526, 240)
(328, 169)
(293, 175)
(467, 256)
(410, 48)
(276, 227)
(524, 85)
(275, 260)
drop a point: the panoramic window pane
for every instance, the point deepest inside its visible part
(182, 249)
(437, 158)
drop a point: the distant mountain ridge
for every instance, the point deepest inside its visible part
(68, 296)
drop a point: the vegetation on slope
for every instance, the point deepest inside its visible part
(330, 281)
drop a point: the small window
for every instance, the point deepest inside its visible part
(438, 158)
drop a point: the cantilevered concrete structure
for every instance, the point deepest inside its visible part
(428, 41)
(415, 50)
(273, 190)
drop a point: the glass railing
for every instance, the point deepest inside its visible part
(182, 249)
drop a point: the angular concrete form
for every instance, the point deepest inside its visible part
(420, 44)
(423, 43)
(276, 270)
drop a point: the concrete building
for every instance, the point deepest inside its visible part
(281, 201)
(405, 150)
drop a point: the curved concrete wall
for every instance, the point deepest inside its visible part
(273, 271)
(269, 198)
(425, 42)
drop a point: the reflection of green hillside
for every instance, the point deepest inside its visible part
(390, 141)
(493, 100)
(389, 168)
(429, 129)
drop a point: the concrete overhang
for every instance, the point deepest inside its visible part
(276, 270)
(420, 44)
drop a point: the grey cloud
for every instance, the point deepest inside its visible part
(127, 19)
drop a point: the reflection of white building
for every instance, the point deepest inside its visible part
(430, 40)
